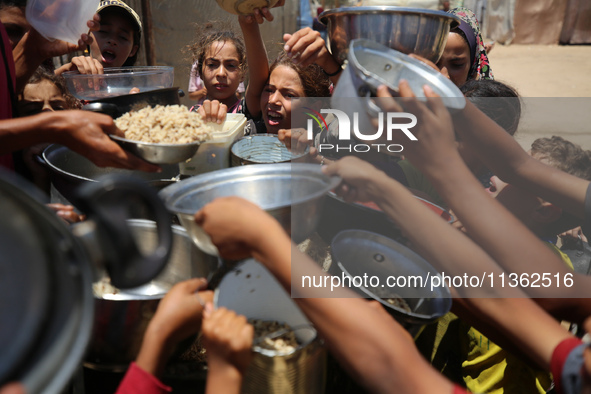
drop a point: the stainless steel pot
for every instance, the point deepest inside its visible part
(252, 291)
(69, 170)
(121, 316)
(46, 303)
(357, 253)
(408, 30)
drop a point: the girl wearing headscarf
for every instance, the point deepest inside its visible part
(464, 57)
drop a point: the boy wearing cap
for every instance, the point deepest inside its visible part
(116, 43)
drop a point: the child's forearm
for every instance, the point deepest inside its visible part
(258, 64)
(505, 157)
(223, 378)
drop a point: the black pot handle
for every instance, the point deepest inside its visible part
(108, 203)
(104, 108)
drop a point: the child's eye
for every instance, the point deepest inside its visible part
(123, 38)
(269, 89)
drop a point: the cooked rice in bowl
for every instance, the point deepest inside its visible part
(171, 124)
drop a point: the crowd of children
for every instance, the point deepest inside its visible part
(458, 162)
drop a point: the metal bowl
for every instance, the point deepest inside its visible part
(262, 149)
(291, 193)
(121, 317)
(408, 30)
(117, 81)
(159, 153)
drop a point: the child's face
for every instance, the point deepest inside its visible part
(114, 41)
(41, 97)
(284, 84)
(456, 59)
(221, 73)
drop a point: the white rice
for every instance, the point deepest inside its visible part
(171, 124)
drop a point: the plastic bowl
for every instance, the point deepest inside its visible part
(118, 81)
(61, 19)
(408, 30)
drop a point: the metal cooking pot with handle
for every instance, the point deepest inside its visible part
(46, 301)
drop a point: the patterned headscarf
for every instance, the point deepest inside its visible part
(470, 30)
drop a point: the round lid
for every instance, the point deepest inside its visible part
(376, 64)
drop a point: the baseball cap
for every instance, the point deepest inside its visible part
(117, 3)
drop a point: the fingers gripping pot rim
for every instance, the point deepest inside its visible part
(252, 291)
(371, 65)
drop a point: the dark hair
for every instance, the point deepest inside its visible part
(314, 80)
(12, 3)
(137, 35)
(44, 74)
(497, 100)
(563, 155)
(208, 34)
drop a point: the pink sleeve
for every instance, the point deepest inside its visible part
(459, 390)
(195, 82)
(138, 381)
(559, 356)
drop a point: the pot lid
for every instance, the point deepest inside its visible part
(46, 303)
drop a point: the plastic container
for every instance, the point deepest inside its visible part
(214, 154)
(118, 81)
(61, 19)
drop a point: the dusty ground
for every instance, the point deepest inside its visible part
(556, 84)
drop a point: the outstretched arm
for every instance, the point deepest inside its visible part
(506, 239)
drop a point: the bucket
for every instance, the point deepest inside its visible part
(358, 253)
(250, 290)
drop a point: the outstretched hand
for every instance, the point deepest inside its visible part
(359, 178)
(306, 46)
(236, 226)
(434, 129)
(260, 14)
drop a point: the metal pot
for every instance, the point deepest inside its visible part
(291, 193)
(357, 253)
(68, 170)
(252, 291)
(46, 303)
(118, 105)
(122, 316)
(262, 149)
(408, 30)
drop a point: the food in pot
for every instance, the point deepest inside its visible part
(171, 124)
(103, 287)
(282, 343)
(398, 302)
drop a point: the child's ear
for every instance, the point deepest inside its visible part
(134, 50)
(547, 213)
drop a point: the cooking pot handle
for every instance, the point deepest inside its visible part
(108, 203)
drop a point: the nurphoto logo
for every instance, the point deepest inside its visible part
(346, 128)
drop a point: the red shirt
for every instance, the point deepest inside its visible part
(138, 381)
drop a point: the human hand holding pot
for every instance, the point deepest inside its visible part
(178, 316)
(260, 14)
(296, 141)
(82, 64)
(306, 46)
(234, 225)
(435, 145)
(87, 134)
(360, 179)
(227, 338)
